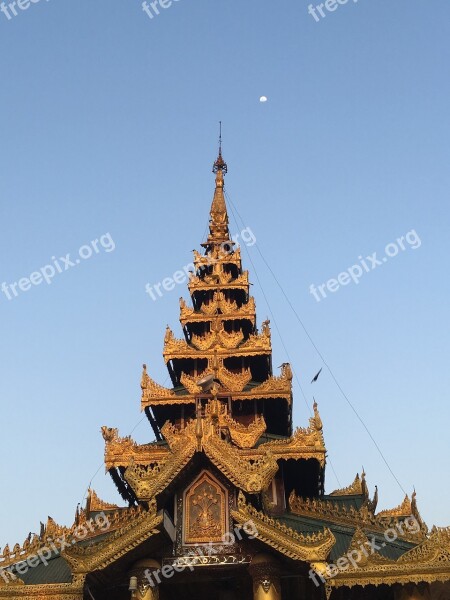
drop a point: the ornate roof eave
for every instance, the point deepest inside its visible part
(218, 339)
(200, 317)
(190, 398)
(240, 283)
(193, 353)
(85, 559)
(304, 444)
(403, 510)
(334, 513)
(117, 520)
(119, 452)
(357, 488)
(285, 540)
(274, 388)
(16, 589)
(96, 504)
(147, 481)
(252, 473)
(255, 345)
(252, 476)
(428, 562)
(245, 437)
(218, 309)
(218, 256)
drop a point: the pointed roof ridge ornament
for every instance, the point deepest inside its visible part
(218, 223)
(220, 164)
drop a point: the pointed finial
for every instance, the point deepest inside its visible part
(220, 164)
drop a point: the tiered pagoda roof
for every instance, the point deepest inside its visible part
(226, 422)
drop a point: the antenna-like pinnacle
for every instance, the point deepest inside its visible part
(220, 164)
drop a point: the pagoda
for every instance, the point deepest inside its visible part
(229, 500)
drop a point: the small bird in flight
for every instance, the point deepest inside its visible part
(316, 377)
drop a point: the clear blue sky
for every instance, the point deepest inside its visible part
(109, 124)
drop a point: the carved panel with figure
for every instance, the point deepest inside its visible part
(205, 511)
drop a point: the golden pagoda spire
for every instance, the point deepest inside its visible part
(218, 223)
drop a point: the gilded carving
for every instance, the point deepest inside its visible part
(404, 510)
(310, 548)
(255, 345)
(235, 382)
(305, 443)
(355, 489)
(252, 475)
(339, 514)
(220, 282)
(133, 532)
(119, 452)
(245, 437)
(149, 480)
(153, 389)
(218, 338)
(428, 562)
(204, 511)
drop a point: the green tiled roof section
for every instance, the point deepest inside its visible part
(343, 535)
(56, 571)
(347, 501)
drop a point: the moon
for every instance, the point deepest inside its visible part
(263, 99)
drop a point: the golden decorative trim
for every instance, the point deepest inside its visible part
(143, 525)
(245, 437)
(235, 382)
(218, 224)
(119, 452)
(309, 548)
(220, 339)
(428, 562)
(403, 510)
(218, 282)
(227, 312)
(33, 543)
(151, 388)
(147, 481)
(217, 255)
(49, 591)
(355, 489)
(255, 345)
(341, 515)
(273, 387)
(251, 475)
(277, 384)
(252, 394)
(204, 511)
(261, 342)
(190, 383)
(305, 443)
(98, 505)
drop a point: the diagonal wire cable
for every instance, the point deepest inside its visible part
(321, 356)
(101, 465)
(278, 329)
